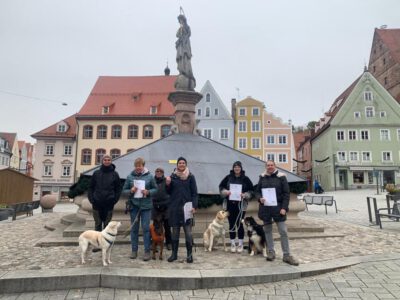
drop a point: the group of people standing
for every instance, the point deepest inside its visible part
(175, 198)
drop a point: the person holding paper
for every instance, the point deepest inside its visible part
(274, 194)
(140, 186)
(181, 186)
(236, 189)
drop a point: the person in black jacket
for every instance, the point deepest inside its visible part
(104, 192)
(161, 203)
(236, 206)
(274, 194)
(181, 186)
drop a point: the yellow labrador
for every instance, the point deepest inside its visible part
(102, 240)
(215, 230)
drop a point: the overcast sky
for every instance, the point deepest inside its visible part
(295, 56)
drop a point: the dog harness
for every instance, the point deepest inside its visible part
(110, 242)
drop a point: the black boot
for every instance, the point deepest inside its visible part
(174, 254)
(189, 258)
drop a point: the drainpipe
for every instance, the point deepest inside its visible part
(334, 170)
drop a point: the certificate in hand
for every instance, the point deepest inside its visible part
(187, 211)
(140, 186)
(236, 191)
(270, 197)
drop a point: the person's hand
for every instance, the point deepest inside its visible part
(145, 192)
(133, 189)
(229, 193)
(282, 211)
(168, 180)
(262, 200)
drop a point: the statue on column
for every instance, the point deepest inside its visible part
(185, 80)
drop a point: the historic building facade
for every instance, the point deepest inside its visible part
(5, 153)
(12, 141)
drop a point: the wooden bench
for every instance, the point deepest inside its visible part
(23, 207)
(320, 200)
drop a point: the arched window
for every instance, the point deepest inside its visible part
(115, 153)
(102, 132)
(133, 132)
(148, 131)
(87, 132)
(208, 97)
(99, 156)
(116, 132)
(86, 157)
(165, 130)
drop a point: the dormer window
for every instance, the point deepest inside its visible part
(106, 110)
(61, 128)
(153, 110)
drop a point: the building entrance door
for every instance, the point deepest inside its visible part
(343, 179)
(388, 177)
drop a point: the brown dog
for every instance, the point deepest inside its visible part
(157, 236)
(215, 230)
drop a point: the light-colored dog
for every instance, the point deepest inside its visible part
(215, 230)
(102, 240)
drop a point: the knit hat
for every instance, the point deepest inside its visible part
(181, 158)
(237, 163)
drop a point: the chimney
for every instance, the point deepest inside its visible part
(233, 108)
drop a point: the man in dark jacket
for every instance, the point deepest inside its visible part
(104, 192)
(160, 204)
(274, 194)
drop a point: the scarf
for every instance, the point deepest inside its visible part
(182, 175)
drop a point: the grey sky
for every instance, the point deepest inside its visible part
(295, 56)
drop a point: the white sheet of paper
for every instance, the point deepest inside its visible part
(270, 197)
(187, 210)
(236, 191)
(140, 186)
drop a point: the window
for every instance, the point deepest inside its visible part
(242, 143)
(49, 150)
(148, 131)
(116, 132)
(99, 156)
(216, 111)
(102, 132)
(365, 135)
(385, 135)
(366, 156)
(67, 150)
(370, 177)
(199, 112)
(207, 133)
(282, 139)
(208, 97)
(106, 110)
(383, 114)
(341, 155)
(271, 156)
(358, 177)
(87, 132)
(386, 156)
(255, 126)
(133, 132)
(114, 153)
(86, 157)
(48, 170)
(61, 128)
(385, 80)
(242, 111)
(255, 143)
(165, 130)
(282, 158)
(153, 110)
(256, 111)
(242, 126)
(352, 135)
(357, 115)
(368, 96)
(224, 134)
(66, 171)
(340, 135)
(270, 139)
(369, 112)
(353, 155)
(208, 112)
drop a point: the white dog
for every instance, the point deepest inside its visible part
(102, 240)
(215, 230)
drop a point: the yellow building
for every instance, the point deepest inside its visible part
(122, 114)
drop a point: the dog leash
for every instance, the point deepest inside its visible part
(126, 233)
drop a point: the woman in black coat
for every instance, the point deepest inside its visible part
(181, 186)
(236, 208)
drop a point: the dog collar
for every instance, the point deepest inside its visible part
(110, 234)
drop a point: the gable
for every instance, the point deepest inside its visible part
(215, 102)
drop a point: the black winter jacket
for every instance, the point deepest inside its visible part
(105, 188)
(247, 186)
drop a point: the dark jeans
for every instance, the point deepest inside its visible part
(188, 233)
(101, 218)
(235, 220)
(164, 217)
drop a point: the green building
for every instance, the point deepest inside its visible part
(357, 142)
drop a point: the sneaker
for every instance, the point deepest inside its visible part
(290, 260)
(239, 249)
(270, 255)
(133, 255)
(233, 248)
(146, 256)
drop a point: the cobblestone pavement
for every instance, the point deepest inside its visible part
(376, 280)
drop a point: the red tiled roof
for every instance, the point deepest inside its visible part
(130, 96)
(9, 137)
(391, 38)
(51, 131)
